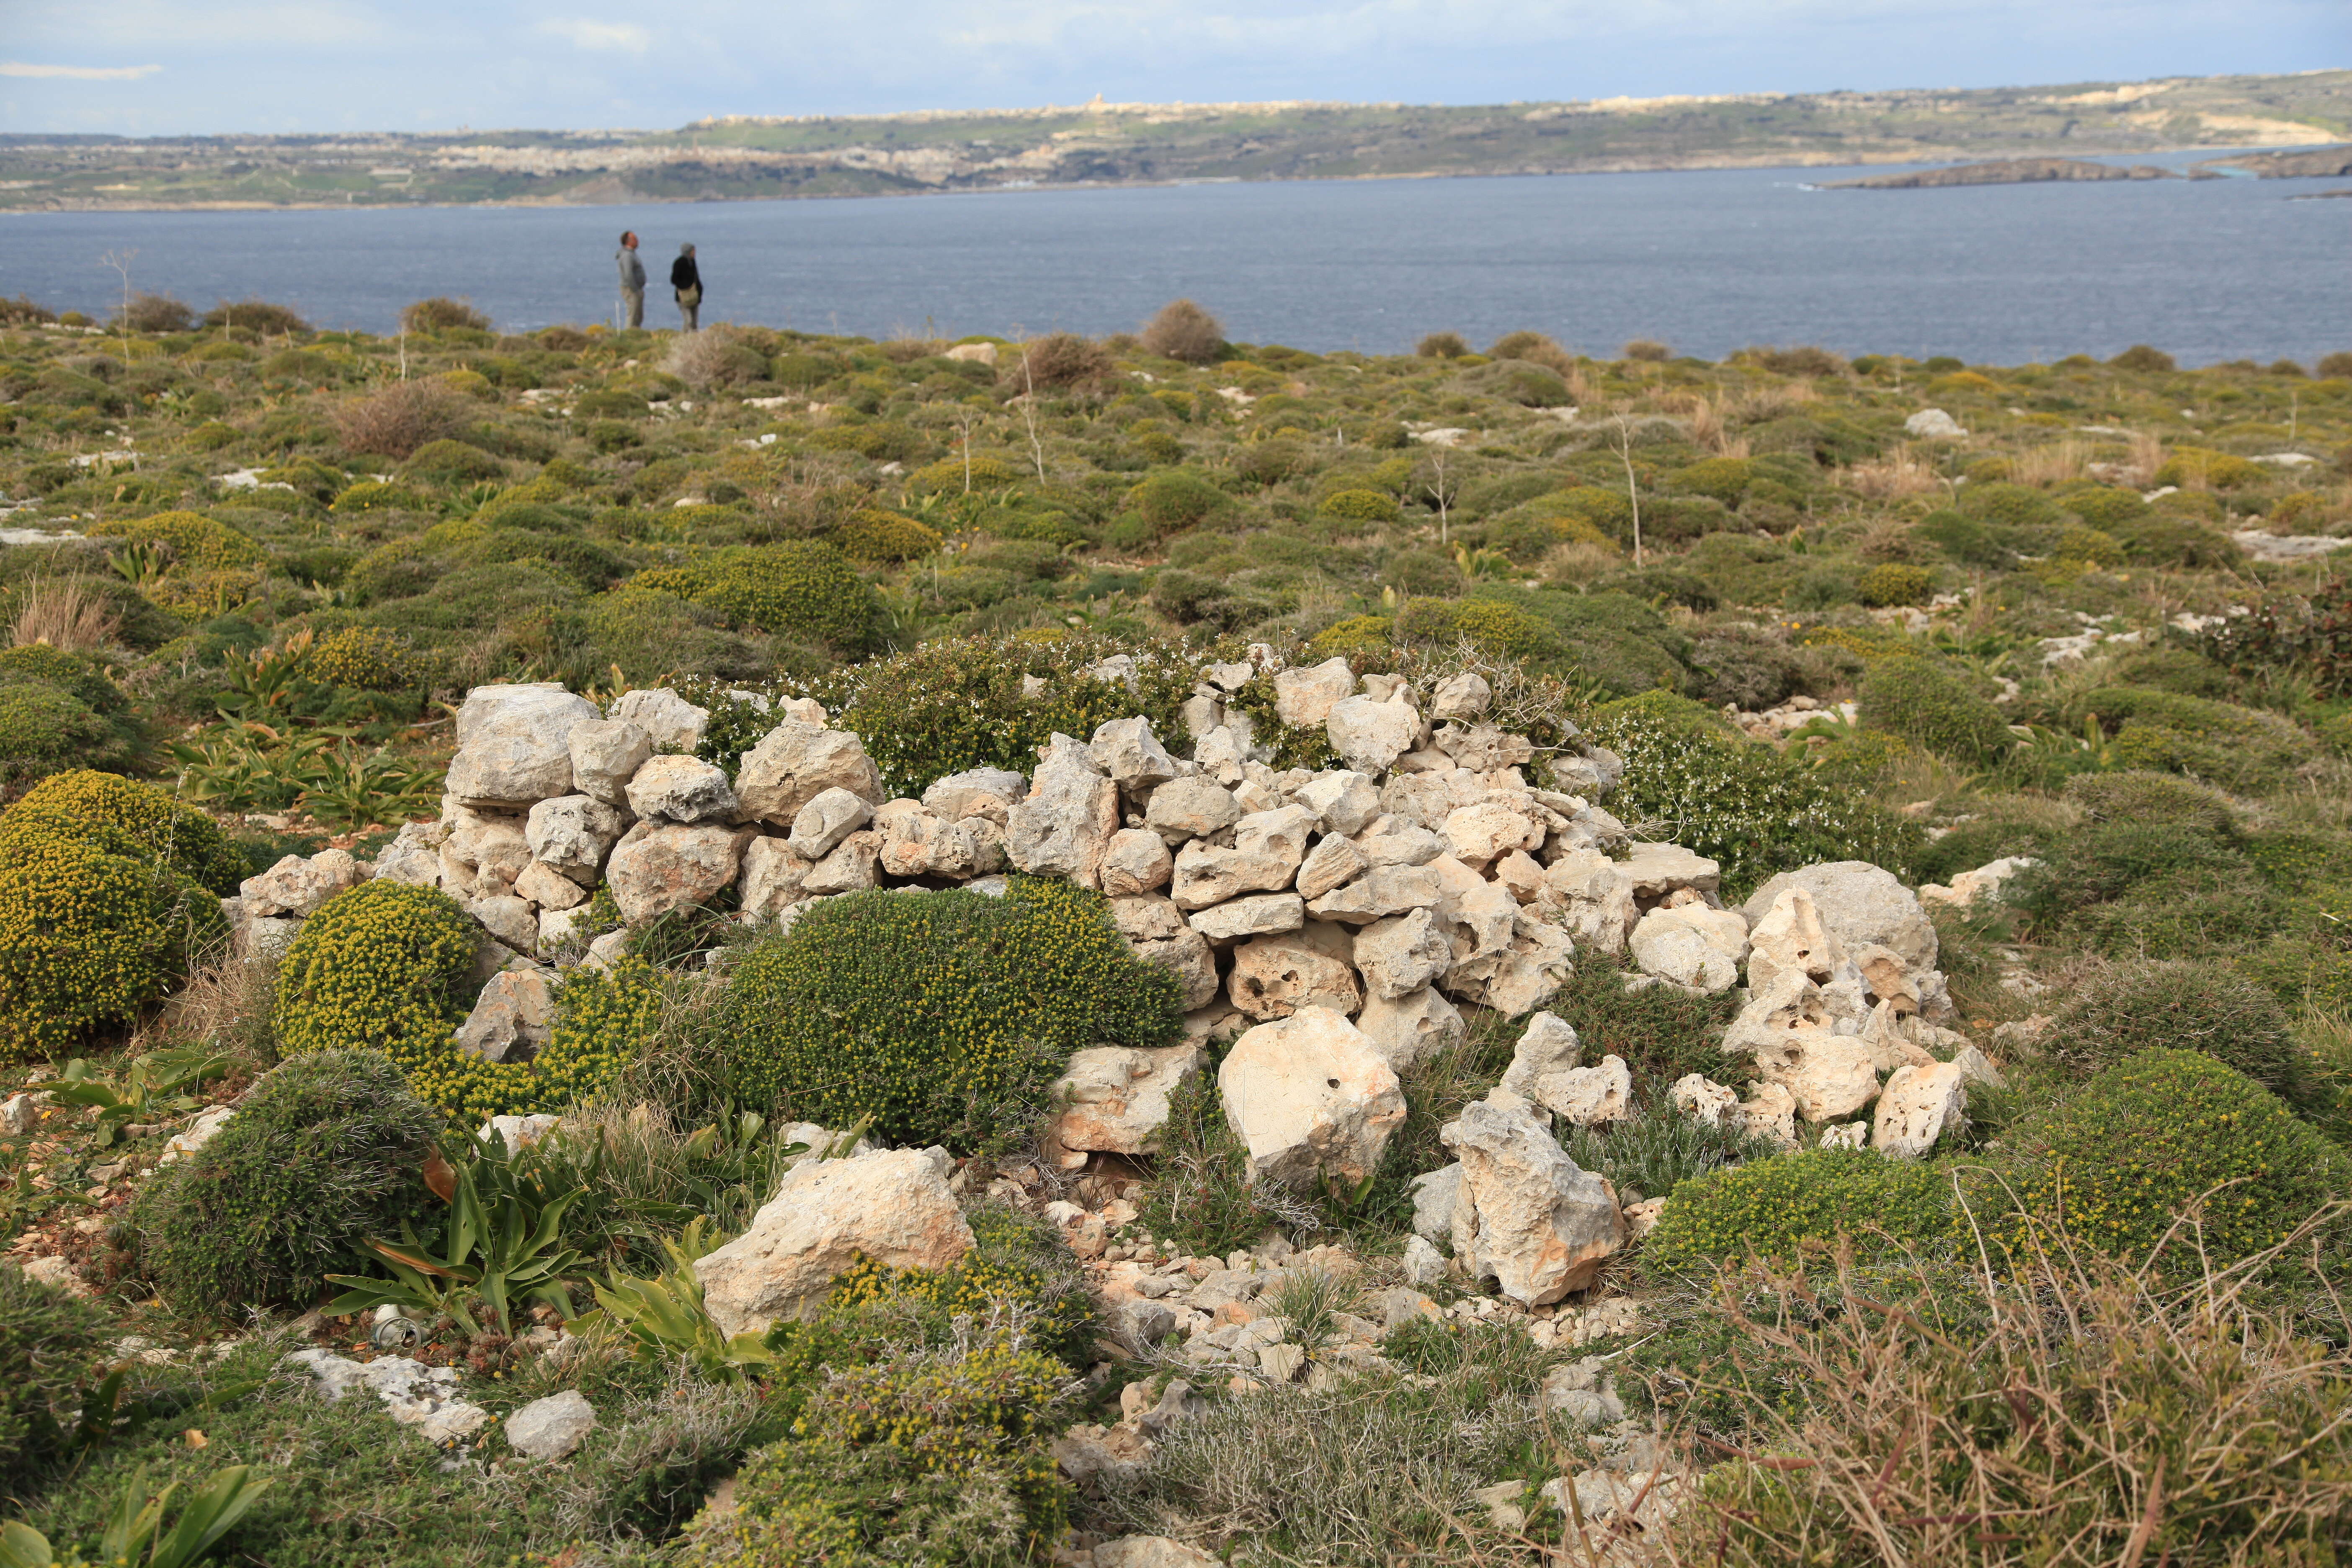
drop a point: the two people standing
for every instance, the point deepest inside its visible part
(685, 282)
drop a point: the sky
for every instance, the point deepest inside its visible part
(203, 66)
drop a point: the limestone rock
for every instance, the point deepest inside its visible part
(1330, 863)
(849, 869)
(1131, 755)
(1274, 976)
(1265, 854)
(891, 1207)
(1482, 833)
(1304, 697)
(1190, 808)
(1380, 894)
(770, 880)
(1463, 696)
(1135, 860)
(1691, 945)
(518, 1132)
(552, 1427)
(1829, 1076)
(1771, 1113)
(1262, 914)
(1368, 735)
(1342, 800)
(1916, 1107)
(1655, 870)
(509, 918)
(1484, 749)
(1932, 424)
(1860, 904)
(573, 834)
(605, 755)
(1541, 1226)
(512, 1018)
(830, 816)
(1984, 884)
(669, 721)
(1792, 936)
(657, 868)
(680, 789)
(1393, 841)
(550, 889)
(1312, 1098)
(299, 887)
(514, 744)
(1062, 826)
(1593, 1095)
(1702, 1099)
(1150, 1550)
(1522, 976)
(1155, 928)
(990, 793)
(795, 763)
(1436, 1195)
(1548, 1049)
(1117, 1096)
(1844, 1135)
(1403, 953)
(1410, 1029)
(413, 857)
(1583, 892)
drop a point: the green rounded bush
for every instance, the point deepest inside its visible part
(1894, 583)
(381, 968)
(2134, 796)
(107, 887)
(1361, 506)
(1725, 478)
(451, 463)
(44, 728)
(1786, 1207)
(1176, 499)
(2105, 507)
(2144, 1005)
(2010, 505)
(2119, 1163)
(370, 658)
(53, 1345)
(803, 588)
(1932, 705)
(942, 1015)
(2221, 743)
(327, 1151)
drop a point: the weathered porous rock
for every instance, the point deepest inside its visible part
(1368, 735)
(1691, 945)
(1410, 1029)
(1135, 860)
(1062, 826)
(771, 878)
(657, 868)
(552, 1427)
(849, 869)
(891, 1207)
(1860, 904)
(514, 744)
(572, 834)
(1304, 697)
(1342, 800)
(1190, 808)
(1127, 751)
(512, 1018)
(1117, 1096)
(550, 889)
(1403, 953)
(1984, 884)
(1463, 696)
(1702, 1099)
(1590, 1096)
(1916, 1106)
(1274, 976)
(795, 763)
(1379, 893)
(1312, 1098)
(1792, 936)
(605, 755)
(830, 816)
(1538, 1224)
(1261, 914)
(1330, 863)
(991, 792)
(680, 789)
(672, 722)
(299, 887)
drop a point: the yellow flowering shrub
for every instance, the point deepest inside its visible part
(387, 967)
(943, 1016)
(1016, 1259)
(370, 658)
(1794, 1205)
(197, 543)
(875, 535)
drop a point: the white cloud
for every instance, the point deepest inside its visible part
(78, 73)
(620, 38)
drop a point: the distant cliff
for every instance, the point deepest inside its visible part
(2317, 162)
(2006, 172)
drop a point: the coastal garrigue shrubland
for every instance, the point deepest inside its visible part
(762, 948)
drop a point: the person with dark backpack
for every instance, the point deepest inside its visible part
(633, 278)
(685, 282)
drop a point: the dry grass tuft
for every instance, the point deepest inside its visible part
(2051, 465)
(396, 420)
(1649, 349)
(225, 1007)
(1894, 477)
(722, 355)
(63, 613)
(1183, 331)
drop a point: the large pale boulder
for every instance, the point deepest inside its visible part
(657, 868)
(1916, 1107)
(1330, 863)
(1860, 904)
(1379, 893)
(1304, 697)
(572, 834)
(1371, 736)
(992, 793)
(1411, 1028)
(848, 868)
(770, 880)
(1524, 975)
(1547, 1049)
(1655, 870)
(1264, 857)
(1691, 945)
(1116, 1097)
(1261, 914)
(1538, 1224)
(297, 886)
(1791, 937)
(1062, 826)
(512, 1018)
(1584, 894)
(514, 744)
(795, 763)
(1127, 751)
(830, 816)
(605, 755)
(1342, 800)
(891, 1207)
(1463, 696)
(672, 722)
(1274, 976)
(1312, 1099)
(1403, 953)
(1984, 884)
(680, 789)
(1190, 808)
(1482, 833)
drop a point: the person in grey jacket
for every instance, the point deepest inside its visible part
(633, 278)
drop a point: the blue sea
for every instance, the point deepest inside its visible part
(1708, 261)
